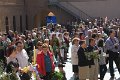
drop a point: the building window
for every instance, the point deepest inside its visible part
(21, 23)
(26, 22)
(14, 23)
(6, 24)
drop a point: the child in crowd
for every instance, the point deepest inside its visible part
(61, 70)
(102, 60)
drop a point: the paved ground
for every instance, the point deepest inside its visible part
(69, 74)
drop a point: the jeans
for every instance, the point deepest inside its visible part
(113, 56)
(103, 70)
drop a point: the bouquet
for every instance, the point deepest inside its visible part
(57, 76)
(7, 76)
(92, 55)
(33, 70)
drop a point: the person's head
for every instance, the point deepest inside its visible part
(11, 51)
(45, 48)
(60, 35)
(60, 66)
(83, 43)
(89, 33)
(82, 36)
(92, 41)
(39, 45)
(19, 45)
(75, 41)
(12, 66)
(100, 35)
(66, 34)
(112, 33)
(23, 37)
(94, 35)
(39, 34)
(100, 43)
(0, 38)
(95, 30)
(101, 29)
(4, 36)
(47, 41)
(76, 34)
(53, 35)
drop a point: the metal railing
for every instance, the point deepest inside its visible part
(71, 9)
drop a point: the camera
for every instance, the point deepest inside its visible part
(116, 47)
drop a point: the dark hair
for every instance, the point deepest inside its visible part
(11, 65)
(18, 42)
(61, 65)
(81, 33)
(110, 31)
(100, 43)
(81, 42)
(10, 50)
(90, 40)
(94, 35)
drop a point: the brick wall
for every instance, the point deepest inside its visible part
(36, 11)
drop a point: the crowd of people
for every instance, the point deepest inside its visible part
(94, 45)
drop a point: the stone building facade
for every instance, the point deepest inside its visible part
(19, 15)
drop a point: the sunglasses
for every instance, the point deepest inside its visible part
(39, 45)
(19, 46)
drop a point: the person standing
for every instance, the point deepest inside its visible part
(45, 62)
(112, 44)
(12, 61)
(83, 62)
(93, 63)
(74, 56)
(22, 59)
(21, 55)
(102, 59)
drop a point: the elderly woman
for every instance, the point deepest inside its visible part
(74, 56)
(45, 62)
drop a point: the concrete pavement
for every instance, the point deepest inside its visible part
(69, 73)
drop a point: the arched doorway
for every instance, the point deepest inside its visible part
(6, 24)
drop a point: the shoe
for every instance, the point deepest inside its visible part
(112, 78)
(63, 63)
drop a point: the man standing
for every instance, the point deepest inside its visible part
(112, 44)
(93, 63)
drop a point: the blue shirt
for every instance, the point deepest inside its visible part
(109, 45)
(48, 65)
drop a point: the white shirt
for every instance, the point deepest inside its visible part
(9, 59)
(102, 56)
(74, 55)
(22, 58)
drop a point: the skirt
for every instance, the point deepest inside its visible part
(84, 72)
